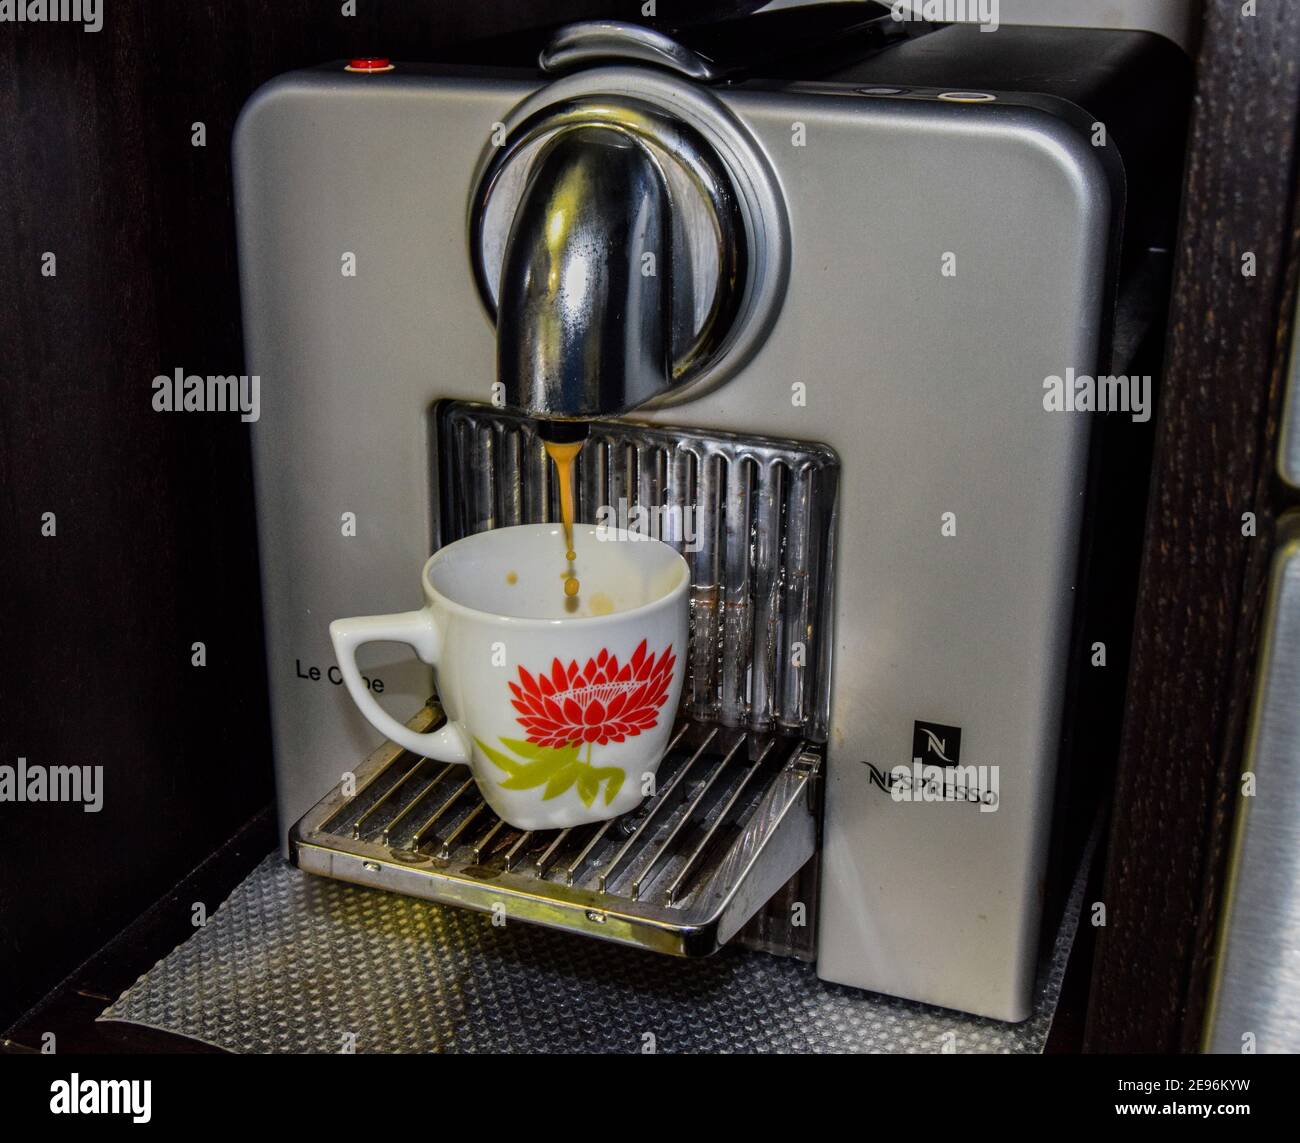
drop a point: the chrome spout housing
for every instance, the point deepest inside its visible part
(622, 249)
(584, 324)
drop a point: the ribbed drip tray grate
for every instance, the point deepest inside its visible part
(733, 819)
(754, 518)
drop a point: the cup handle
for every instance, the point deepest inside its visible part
(416, 629)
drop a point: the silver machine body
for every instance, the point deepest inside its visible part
(915, 265)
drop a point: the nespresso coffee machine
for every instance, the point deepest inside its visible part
(816, 298)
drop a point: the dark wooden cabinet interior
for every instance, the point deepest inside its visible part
(155, 544)
(1203, 579)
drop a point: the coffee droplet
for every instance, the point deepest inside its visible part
(570, 556)
(563, 456)
(572, 586)
(512, 577)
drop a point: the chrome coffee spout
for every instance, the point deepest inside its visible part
(628, 249)
(584, 319)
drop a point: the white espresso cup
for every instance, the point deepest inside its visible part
(562, 710)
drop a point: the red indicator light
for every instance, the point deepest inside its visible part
(369, 64)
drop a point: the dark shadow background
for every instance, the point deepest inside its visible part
(156, 542)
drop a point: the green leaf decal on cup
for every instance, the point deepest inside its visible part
(557, 768)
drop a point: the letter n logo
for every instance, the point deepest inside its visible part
(935, 743)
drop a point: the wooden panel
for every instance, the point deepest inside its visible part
(155, 546)
(1202, 582)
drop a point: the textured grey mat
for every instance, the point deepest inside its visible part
(297, 963)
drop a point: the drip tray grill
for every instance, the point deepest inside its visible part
(732, 821)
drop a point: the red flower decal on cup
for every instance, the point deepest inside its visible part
(567, 711)
(600, 702)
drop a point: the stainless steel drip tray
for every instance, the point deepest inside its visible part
(733, 819)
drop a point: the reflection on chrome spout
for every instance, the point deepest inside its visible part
(584, 318)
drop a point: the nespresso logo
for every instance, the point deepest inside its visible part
(976, 785)
(935, 774)
(935, 742)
